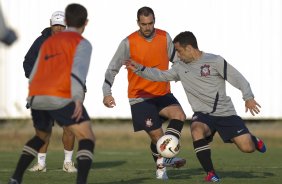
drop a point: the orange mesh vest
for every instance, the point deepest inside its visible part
(149, 54)
(53, 74)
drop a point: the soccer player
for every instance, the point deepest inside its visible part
(57, 24)
(151, 102)
(203, 77)
(56, 90)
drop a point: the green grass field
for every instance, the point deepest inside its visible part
(122, 156)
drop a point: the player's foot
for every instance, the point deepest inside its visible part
(69, 167)
(260, 146)
(171, 162)
(161, 173)
(212, 177)
(13, 181)
(38, 168)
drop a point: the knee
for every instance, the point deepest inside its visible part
(179, 115)
(197, 133)
(67, 133)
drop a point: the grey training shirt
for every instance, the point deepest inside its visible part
(204, 83)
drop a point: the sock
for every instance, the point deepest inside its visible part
(84, 159)
(41, 157)
(203, 153)
(155, 153)
(28, 154)
(174, 128)
(68, 156)
(254, 139)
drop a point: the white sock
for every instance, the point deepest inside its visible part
(68, 156)
(41, 158)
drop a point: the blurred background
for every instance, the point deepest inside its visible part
(247, 33)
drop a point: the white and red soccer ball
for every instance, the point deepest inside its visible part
(168, 146)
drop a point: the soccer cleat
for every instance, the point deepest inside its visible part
(161, 173)
(260, 146)
(212, 177)
(171, 162)
(69, 167)
(38, 168)
(13, 181)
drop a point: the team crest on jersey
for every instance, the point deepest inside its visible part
(205, 70)
(149, 122)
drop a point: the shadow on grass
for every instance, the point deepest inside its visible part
(130, 181)
(189, 173)
(244, 174)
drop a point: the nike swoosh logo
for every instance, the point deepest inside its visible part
(239, 131)
(51, 56)
(170, 150)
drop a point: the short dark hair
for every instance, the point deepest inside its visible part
(186, 38)
(76, 15)
(146, 11)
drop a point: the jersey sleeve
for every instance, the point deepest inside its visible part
(155, 74)
(116, 63)
(31, 56)
(171, 50)
(235, 78)
(80, 69)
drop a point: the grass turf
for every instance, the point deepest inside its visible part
(123, 157)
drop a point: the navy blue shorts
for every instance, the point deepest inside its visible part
(145, 115)
(227, 127)
(44, 119)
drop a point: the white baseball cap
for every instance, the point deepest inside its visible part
(58, 18)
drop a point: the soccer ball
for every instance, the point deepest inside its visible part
(168, 146)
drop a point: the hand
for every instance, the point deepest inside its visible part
(109, 101)
(129, 64)
(253, 106)
(77, 111)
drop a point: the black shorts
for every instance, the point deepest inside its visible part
(145, 115)
(44, 119)
(227, 127)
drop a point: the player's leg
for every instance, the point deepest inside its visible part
(240, 135)
(244, 143)
(170, 108)
(41, 122)
(68, 140)
(40, 166)
(145, 117)
(259, 144)
(161, 169)
(86, 143)
(201, 136)
(84, 135)
(31, 148)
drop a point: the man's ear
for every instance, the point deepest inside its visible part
(86, 22)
